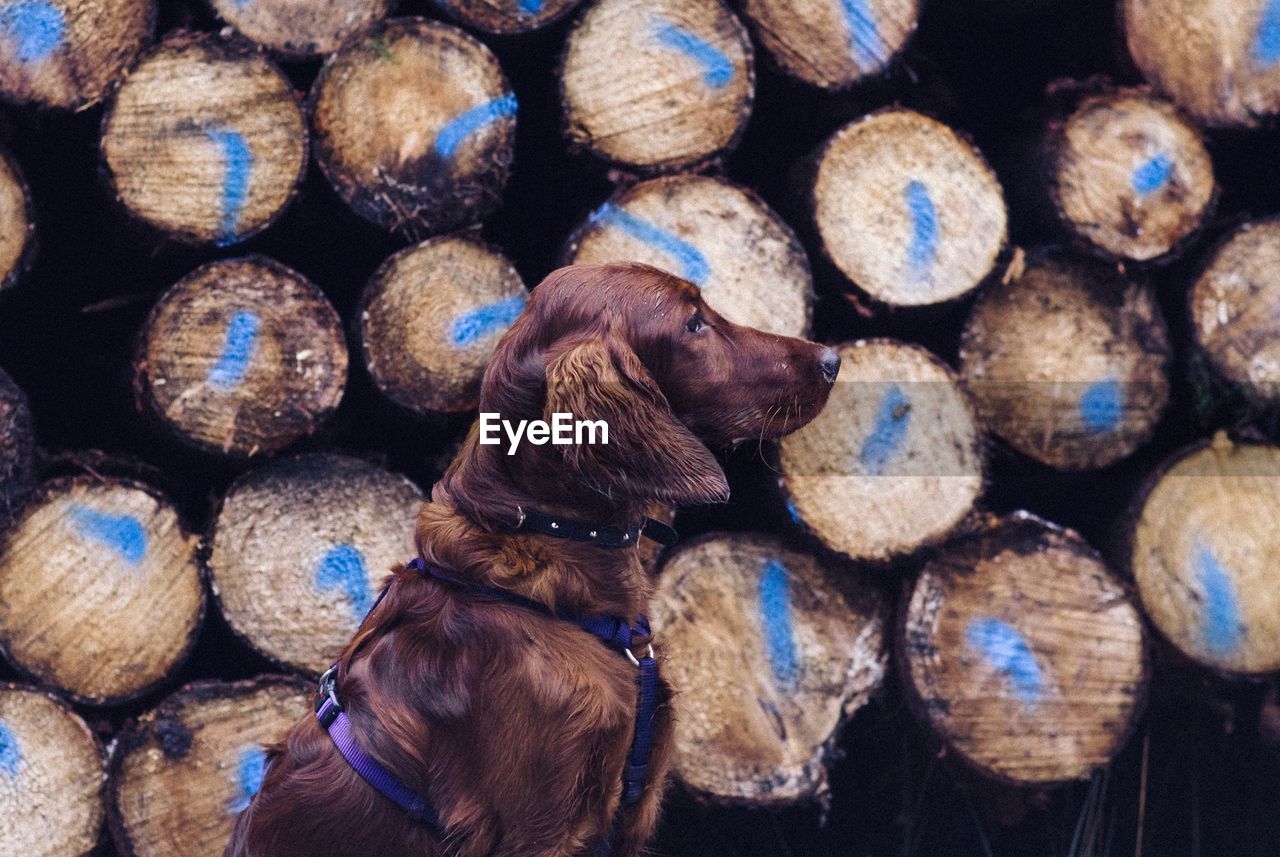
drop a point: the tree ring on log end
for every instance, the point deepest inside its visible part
(1217, 59)
(415, 126)
(431, 318)
(51, 776)
(67, 53)
(1130, 176)
(1233, 310)
(242, 357)
(656, 85)
(893, 462)
(833, 44)
(301, 29)
(101, 593)
(295, 580)
(907, 209)
(185, 769)
(771, 652)
(723, 238)
(1068, 362)
(205, 140)
(1024, 653)
(1204, 554)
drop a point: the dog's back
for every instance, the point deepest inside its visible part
(518, 728)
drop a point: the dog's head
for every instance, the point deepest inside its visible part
(638, 348)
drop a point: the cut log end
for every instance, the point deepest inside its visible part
(184, 771)
(1130, 176)
(1204, 553)
(1217, 59)
(657, 84)
(294, 579)
(17, 224)
(17, 449)
(893, 462)
(1068, 362)
(1024, 653)
(100, 589)
(51, 776)
(748, 262)
(506, 17)
(301, 29)
(833, 44)
(242, 357)
(770, 652)
(67, 53)
(1233, 310)
(415, 126)
(907, 209)
(205, 140)
(431, 318)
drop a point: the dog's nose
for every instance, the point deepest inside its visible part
(829, 363)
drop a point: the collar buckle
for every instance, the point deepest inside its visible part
(327, 693)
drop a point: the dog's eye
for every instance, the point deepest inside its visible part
(695, 324)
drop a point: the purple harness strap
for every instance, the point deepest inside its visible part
(335, 720)
(612, 631)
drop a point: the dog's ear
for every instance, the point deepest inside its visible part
(650, 455)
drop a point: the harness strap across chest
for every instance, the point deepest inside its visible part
(614, 632)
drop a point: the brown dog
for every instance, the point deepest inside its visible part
(514, 725)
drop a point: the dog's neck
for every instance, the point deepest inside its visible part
(490, 487)
(470, 528)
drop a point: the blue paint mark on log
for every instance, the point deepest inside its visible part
(1221, 622)
(693, 265)
(793, 511)
(1266, 44)
(342, 567)
(717, 68)
(36, 29)
(1102, 406)
(1152, 174)
(1004, 648)
(122, 533)
(924, 229)
(251, 768)
(465, 124)
(864, 35)
(531, 7)
(484, 320)
(10, 751)
(237, 351)
(237, 169)
(892, 422)
(775, 611)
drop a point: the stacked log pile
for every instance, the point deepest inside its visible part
(1014, 591)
